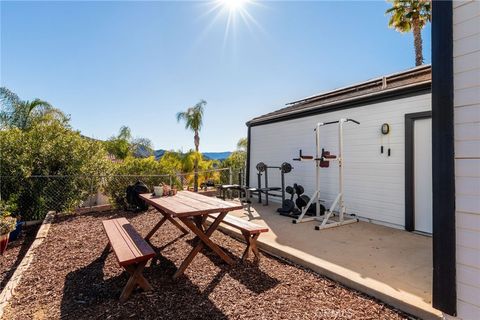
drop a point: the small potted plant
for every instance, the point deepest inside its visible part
(166, 190)
(7, 225)
(7, 208)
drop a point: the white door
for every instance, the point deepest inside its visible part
(422, 131)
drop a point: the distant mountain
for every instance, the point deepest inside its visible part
(142, 152)
(206, 155)
(159, 153)
(216, 155)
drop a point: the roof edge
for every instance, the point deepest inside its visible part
(348, 102)
(401, 74)
(399, 81)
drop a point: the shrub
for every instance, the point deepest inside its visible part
(236, 161)
(130, 171)
(48, 147)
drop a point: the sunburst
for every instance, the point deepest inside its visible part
(234, 13)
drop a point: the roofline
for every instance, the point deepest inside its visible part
(415, 88)
(405, 73)
(307, 104)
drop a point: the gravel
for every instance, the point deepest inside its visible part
(16, 250)
(73, 277)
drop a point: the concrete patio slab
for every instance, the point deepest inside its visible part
(392, 265)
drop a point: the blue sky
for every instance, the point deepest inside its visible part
(109, 64)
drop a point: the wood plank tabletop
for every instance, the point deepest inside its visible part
(187, 203)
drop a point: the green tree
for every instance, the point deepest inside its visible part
(49, 148)
(242, 144)
(123, 145)
(16, 113)
(131, 170)
(237, 159)
(181, 165)
(410, 15)
(193, 119)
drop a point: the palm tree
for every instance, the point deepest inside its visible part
(411, 15)
(242, 144)
(139, 147)
(123, 145)
(193, 118)
(16, 113)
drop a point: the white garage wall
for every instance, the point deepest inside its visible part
(374, 183)
(466, 58)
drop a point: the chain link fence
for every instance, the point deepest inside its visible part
(32, 197)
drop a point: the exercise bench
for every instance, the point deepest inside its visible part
(132, 253)
(250, 232)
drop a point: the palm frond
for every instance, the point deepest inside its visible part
(403, 13)
(180, 116)
(193, 116)
(8, 97)
(125, 133)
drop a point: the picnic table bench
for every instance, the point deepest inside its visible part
(132, 253)
(250, 232)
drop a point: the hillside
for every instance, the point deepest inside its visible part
(207, 155)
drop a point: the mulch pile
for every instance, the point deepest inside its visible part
(73, 277)
(15, 252)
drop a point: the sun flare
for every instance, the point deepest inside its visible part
(234, 5)
(235, 14)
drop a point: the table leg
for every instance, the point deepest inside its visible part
(198, 222)
(205, 240)
(166, 217)
(176, 224)
(157, 226)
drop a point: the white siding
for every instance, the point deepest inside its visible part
(374, 182)
(466, 47)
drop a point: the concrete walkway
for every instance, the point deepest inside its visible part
(392, 265)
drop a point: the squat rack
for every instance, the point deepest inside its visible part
(262, 169)
(322, 159)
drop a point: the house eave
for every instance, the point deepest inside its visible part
(343, 103)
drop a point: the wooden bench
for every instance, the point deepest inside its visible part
(250, 232)
(132, 253)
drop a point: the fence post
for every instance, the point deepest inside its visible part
(91, 191)
(170, 178)
(230, 181)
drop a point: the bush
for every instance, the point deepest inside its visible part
(236, 161)
(48, 147)
(181, 167)
(130, 171)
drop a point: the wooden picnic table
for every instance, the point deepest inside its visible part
(192, 209)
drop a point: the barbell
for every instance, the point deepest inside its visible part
(285, 167)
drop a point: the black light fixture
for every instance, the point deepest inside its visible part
(385, 130)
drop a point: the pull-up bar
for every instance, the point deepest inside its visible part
(332, 122)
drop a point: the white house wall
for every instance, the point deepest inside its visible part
(374, 183)
(466, 58)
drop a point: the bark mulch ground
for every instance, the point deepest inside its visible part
(73, 277)
(15, 252)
